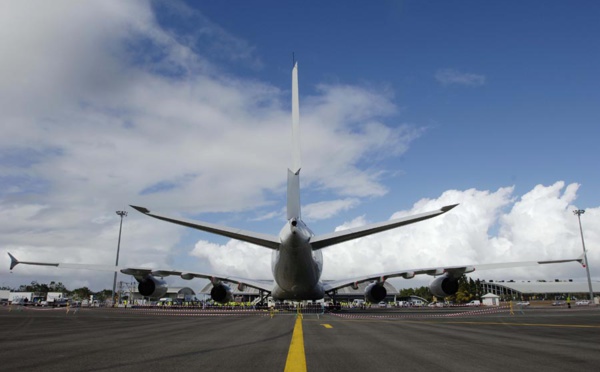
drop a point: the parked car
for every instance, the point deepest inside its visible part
(523, 303)
(383, 304)
(582, 303)
(558, 303)
(474, 303)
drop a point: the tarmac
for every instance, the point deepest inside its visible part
(482, 339)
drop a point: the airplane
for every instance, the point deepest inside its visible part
(297, 260)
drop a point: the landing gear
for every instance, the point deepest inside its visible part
(335, 306)
(262, 295)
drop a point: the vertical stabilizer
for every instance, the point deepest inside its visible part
(293, 195)
(295, 122)
(293, 186)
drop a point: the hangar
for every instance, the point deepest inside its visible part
(539, 289)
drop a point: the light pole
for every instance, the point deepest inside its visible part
(121, 214)
(579, 212)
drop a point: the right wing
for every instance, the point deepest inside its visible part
(325, 240)
(264, 240)
(453, 271)
(141, 272)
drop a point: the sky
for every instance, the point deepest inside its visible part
(406, 106)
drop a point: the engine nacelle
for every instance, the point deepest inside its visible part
(375, 292)
(153, 287)
(221, 293)
(443, 286)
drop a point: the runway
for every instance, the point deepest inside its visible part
(126, 340)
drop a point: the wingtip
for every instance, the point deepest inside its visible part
(140, 209)
(13, 261)
(448, 207)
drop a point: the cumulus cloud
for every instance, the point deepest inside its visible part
(450, 76)
(328, 209)
(236, 258)
(487, 227)
(103, 107)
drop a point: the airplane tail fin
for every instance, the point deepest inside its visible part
(293, 186)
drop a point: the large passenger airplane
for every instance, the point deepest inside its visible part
(297, 261)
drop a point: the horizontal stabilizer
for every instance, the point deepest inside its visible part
(263, 240)
(322, 241)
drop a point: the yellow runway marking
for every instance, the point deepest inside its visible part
(327, 325)
(296, 360)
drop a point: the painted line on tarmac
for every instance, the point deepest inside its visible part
(527, 324)
(326, 325)
(495, 310)
(296, 359)
(441, 321)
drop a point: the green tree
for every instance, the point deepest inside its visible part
(103, 294)
(81, 293)
(57, 287)
(34, 287)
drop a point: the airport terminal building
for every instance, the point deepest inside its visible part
(539, 289)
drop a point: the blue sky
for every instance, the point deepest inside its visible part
(183, 107)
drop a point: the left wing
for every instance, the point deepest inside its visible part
(141, 272)
(452, 271)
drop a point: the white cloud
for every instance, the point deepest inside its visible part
(450, 76)
(102, 107)
(327, 209)
(537, 226)
(236, 258)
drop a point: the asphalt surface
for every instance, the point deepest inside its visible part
(452, 340)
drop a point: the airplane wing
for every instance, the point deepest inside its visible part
(325, 240)
(141, 272)
(454, 271)
(264, 240)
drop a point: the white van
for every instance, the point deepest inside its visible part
(358, 303)
(474, 303)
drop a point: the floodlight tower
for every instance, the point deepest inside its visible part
(120, 214)
(579, 212)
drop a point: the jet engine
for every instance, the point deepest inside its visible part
(443, 286)
(375, 292)
(149, 286)
(221, 293)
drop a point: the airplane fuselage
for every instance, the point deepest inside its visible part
(296, 266)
